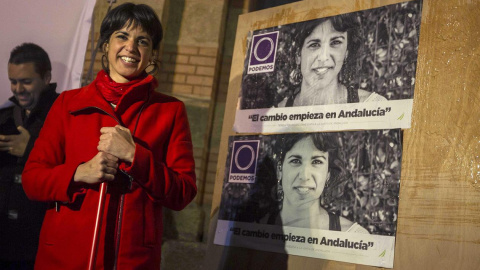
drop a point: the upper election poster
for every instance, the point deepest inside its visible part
(331, 195)
(349, 71)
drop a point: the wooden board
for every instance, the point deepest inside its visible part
(439, 211)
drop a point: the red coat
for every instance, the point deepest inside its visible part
(162, 174)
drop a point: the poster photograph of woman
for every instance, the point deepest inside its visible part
(312, 188)
(356, 70)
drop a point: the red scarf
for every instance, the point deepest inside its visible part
(113, 91)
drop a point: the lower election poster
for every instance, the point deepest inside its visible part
(323, 195)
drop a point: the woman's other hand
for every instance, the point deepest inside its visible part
(117, 141)
(102, 167)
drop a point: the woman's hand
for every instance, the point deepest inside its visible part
(102, 167)
(117, 141)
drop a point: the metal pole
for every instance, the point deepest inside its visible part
(98, 225)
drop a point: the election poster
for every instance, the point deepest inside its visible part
(349, 71)
(328, 195)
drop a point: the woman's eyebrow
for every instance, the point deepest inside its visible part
(338, 37)
(146, 37)
(121, 32)
(294, 156)
(315, 40)
(320, 156)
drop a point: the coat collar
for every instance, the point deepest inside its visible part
(90, 97)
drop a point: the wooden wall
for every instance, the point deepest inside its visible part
(439, 211)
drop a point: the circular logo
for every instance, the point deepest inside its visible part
(268, 54)
(252, 158)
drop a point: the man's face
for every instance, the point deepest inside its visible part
(26, 84)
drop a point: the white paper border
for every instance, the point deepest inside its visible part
(398, 114)
(380, 253)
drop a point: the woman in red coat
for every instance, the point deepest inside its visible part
(120, 131)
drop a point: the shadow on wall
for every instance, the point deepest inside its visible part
(232, 257)
(171, 34)
(175, 13)
(174, 21)
(236, 258)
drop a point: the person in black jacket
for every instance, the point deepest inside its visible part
(29, 72)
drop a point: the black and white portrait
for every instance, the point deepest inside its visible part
(364, 56)
(338, 181)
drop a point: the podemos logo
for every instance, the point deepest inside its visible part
(263, 53)
(244, 161)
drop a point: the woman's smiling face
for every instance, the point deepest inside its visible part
(304, 174)
(129, 52)
(322, 56)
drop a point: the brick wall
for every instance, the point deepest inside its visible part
(187, 70)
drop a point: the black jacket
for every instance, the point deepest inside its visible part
(20, 218)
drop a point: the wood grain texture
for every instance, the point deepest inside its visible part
(439, 210)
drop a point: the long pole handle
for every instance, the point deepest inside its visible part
(98, 226)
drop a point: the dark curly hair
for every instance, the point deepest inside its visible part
(132, 15)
